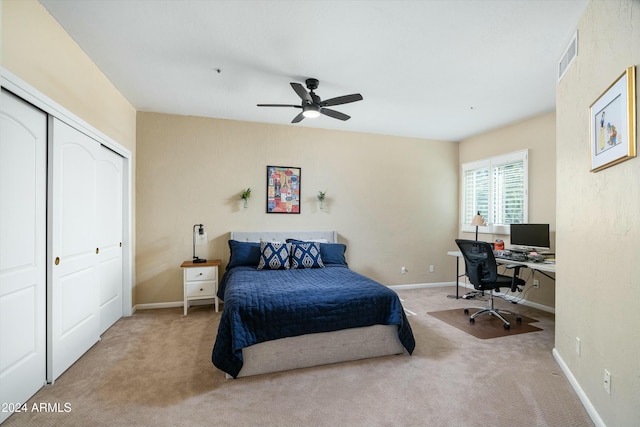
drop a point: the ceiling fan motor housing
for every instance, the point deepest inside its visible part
(312, 84)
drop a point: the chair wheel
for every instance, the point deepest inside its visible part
(472, 320)
(506, 326)
(466, 311)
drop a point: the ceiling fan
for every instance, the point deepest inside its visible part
(313, 106)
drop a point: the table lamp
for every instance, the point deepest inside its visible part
(478, 221)
(200, 237)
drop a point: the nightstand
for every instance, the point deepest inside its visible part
(200, 281)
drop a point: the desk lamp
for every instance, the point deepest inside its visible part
(200, 237)
(478, 221)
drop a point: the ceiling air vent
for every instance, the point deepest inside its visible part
(568, 56)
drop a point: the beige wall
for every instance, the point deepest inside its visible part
(538, 135)
(598, 288)
(392, 200)
(38, 51)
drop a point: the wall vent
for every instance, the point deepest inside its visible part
(568, 56)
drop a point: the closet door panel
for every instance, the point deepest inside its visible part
(77, 197)
(74, 295)
(23, 192)
(109, 236)
(75, 288)
(110, 279)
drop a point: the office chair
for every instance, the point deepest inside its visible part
(482, 270)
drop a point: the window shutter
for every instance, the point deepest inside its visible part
(508, 193)
(476, 193)
(497, 188)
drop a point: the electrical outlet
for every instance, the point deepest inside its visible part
(431, 268)
(536, 283)
(607, 381)
(403, 270)
(578, 346)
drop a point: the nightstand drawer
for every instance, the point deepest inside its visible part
(201, 289)
(201, 273)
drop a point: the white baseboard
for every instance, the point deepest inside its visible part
(423, 285)
(468, 286)
(154, 305)
(595, 417)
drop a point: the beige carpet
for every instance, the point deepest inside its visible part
(154, 369)
(485, 326)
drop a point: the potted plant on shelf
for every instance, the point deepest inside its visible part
(246, 195)
(321, 196)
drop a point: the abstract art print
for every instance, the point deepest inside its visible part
(613, 123)
(283, 189)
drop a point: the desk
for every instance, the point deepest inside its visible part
(538, 266)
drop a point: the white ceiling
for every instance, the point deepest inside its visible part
(429, 69)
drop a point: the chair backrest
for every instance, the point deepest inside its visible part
(479, 262)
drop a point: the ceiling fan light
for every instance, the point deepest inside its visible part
(311, 111)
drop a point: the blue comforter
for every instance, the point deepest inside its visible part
(263, 305)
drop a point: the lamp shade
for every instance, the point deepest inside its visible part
(201, 238)
(478, 220)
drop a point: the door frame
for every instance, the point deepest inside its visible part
(23, 90)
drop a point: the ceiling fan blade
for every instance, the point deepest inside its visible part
(298, 118)
(335, 114)
(301, 91)
(342, 100)
(279, 105)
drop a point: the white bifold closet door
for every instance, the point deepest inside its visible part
(23, 274)
(85, 292)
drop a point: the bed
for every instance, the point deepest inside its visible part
(316, 312)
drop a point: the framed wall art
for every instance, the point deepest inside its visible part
(283, 189)
(613, 123)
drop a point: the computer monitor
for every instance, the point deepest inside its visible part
(530, 236)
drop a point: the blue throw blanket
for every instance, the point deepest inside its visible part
(263, 305)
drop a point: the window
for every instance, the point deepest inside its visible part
(497, 188)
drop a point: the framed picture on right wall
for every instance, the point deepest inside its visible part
(613, 123)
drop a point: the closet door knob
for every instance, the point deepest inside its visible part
(57, 261)
(97, 250)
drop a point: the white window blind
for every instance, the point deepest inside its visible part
(497, 188)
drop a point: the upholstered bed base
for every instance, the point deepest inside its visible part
(320, 349)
